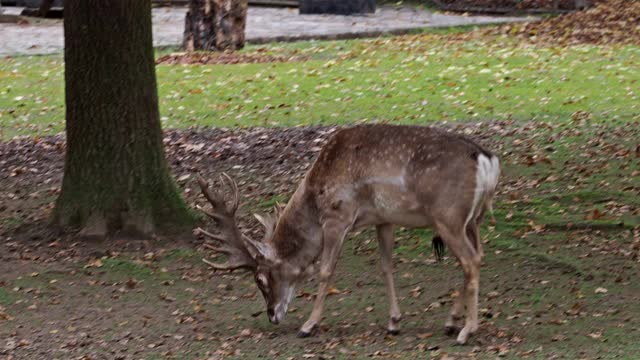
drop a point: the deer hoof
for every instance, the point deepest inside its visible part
(393, 329)
(462, 339)
(305, 334)
(464, 335)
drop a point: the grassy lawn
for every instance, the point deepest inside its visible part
(560, 275)
(412, 79)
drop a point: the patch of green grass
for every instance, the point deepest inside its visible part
(268, 204)
(412, 79)
(414, 242)
(119, 268)
(40, 284)
(11, 223)
(179, 254)
(372, 82)
(6, 297)
(40, 281)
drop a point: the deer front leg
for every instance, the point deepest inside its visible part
(385, 242)
(333, 237)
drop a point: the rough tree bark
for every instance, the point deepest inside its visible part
(215, 25)
(116, 178)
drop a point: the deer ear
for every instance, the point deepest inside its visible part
(269, 224)
(261, 252)
(279, 208)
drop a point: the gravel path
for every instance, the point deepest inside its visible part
(263, 25)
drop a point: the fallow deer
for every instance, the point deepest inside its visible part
(372, 175)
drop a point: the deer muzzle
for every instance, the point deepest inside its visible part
(272, 317)
(280, 311)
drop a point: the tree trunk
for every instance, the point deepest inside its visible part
(116, 177)
(215, 25)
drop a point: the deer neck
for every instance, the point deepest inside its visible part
(298, 234)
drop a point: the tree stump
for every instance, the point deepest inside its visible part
(337, 7)
(215, 25)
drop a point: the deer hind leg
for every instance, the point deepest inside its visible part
(471, 269)
(385, 243)
(333, 238)
(467, 302)
(473, 232)
(456, 314)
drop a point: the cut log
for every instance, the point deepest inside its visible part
(215, 25)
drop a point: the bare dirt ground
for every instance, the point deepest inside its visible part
(559, 279)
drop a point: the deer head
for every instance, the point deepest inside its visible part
(274, 277)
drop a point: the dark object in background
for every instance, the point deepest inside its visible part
(45, 9)
(30, 3)
(38, 8)
(337, 7)
(514, 6)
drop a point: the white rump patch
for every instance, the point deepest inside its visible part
(487, 175)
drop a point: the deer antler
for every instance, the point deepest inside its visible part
(240, 250)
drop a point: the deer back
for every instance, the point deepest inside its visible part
(396, 174)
